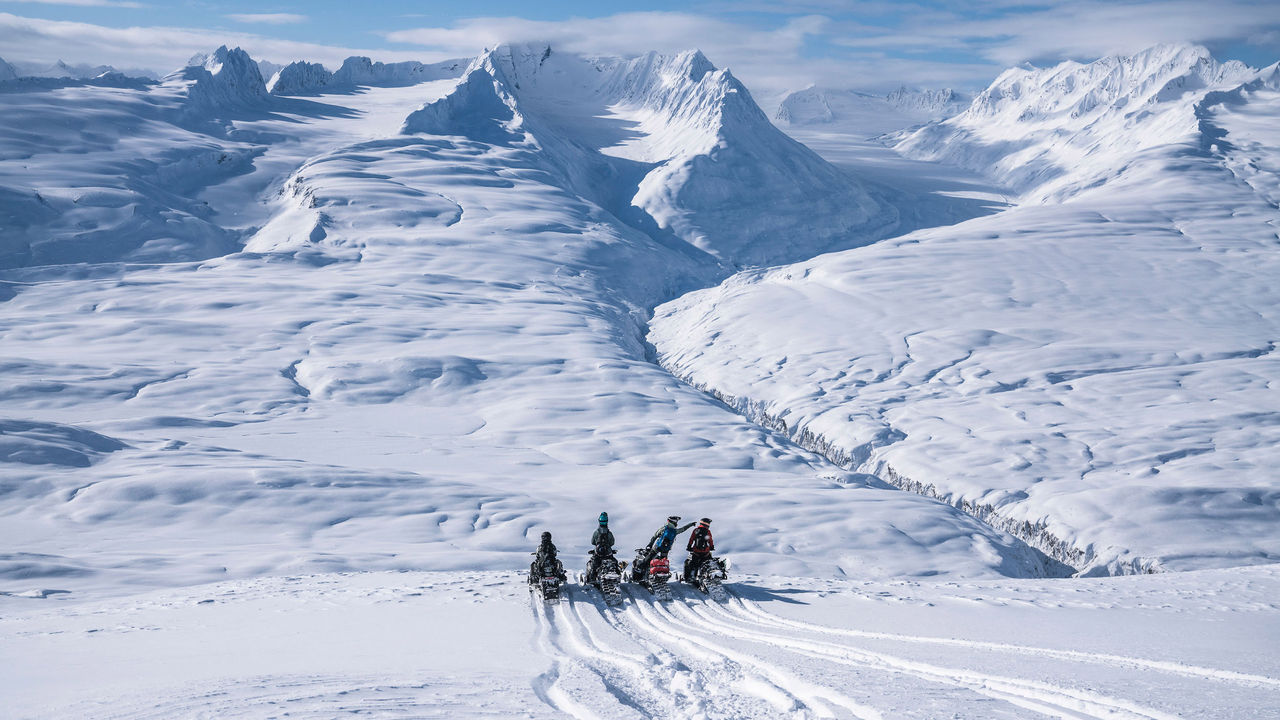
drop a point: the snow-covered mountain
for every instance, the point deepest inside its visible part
(1051, 132)
(7, 72)
(863, 114)
(667, 136)
(226, 79)
(299, 78)
(304, 78)
(78, 71)
(1093, 375)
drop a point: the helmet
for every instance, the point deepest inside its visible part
(673, 519)
(546, 537)
(604, 518)
(704, 522)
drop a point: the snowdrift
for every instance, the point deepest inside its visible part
(669, 144)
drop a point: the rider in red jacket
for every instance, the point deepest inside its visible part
(700, 547)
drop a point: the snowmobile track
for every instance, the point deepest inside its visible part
(694, 657)
(752, 609)
(1032, 695)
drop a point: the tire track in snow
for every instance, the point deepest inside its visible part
(1033, 695)
(752, 609)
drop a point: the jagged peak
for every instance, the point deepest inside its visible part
(225, 77)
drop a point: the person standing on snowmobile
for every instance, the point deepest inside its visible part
(700, 547)
(662, 541)
(546, 555)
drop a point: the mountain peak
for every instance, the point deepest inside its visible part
(1031, 128)
(661, 135)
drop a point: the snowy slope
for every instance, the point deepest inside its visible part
(1097, 376)
(671, 137)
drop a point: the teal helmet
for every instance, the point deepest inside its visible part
(604, 518)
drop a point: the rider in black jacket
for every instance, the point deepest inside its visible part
(546, 554)
(700, 547)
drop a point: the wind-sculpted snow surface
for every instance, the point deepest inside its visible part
(1098, 376)
(669, 144)
(1050, 133)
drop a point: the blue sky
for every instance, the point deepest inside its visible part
(772, 46)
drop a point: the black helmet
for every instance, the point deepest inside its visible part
(604, 518)
(704, 521)
(546, 537)
(673, 519)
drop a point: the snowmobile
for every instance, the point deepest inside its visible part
(604, 572)
(545, 580)
(652, 574)
(709, 577)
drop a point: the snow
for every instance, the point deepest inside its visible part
(304, 78)
(293, 384)
(467, 644)
(664, 135)
(7, 72)
(298, 78)
(1051, 133)
(1096, 376)
(426, 339)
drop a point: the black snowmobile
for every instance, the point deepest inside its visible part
(652, 573)
(545, 578)
(604, 573)
(709, 577)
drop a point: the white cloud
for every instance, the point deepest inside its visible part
(767, 60)
(85, 3)
(1079, 29)
(269, 18)
(161, 49)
